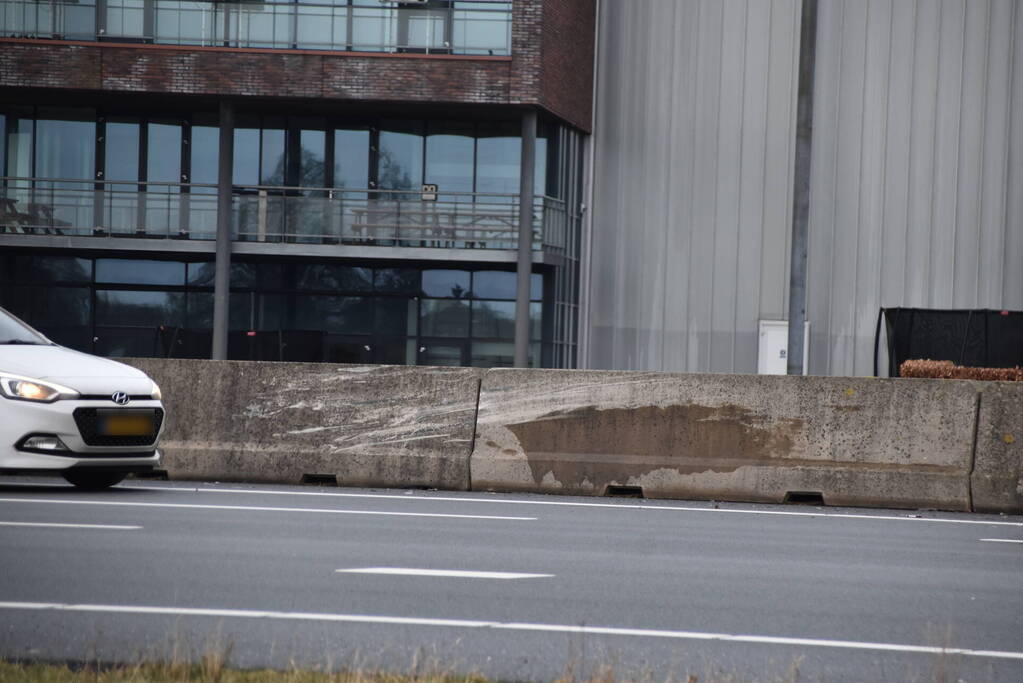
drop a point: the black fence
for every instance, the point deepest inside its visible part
(972, 338)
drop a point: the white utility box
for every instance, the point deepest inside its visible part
(773, 350)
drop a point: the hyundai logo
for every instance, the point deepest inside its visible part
(120, 398)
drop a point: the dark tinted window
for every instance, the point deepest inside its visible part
(330, 277)
(397, 280)
(396, 316)
(444, 318)
(145, 309)
(129, 271)
(446, 283)
(341, 314)
(62, 306)
(61, 269)
(496, 284)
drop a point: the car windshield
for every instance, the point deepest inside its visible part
(13, 331)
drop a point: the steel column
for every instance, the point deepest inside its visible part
(221, 282)
(801, 187)
(525, 260)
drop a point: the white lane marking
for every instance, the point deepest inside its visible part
(72, 526)
(453, 573)
(561, 503)
(508, 626)
(1002, 540)
(260, 509)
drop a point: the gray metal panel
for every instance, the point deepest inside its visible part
(916, 151)
(692, 178)
(917, 170)
(1013, 239)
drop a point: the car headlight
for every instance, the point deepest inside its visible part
(156, 393)
(29, 389)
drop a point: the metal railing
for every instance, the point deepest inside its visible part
(467, 220)
(468, 27)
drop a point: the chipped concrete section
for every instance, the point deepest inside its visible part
(998, 466)
(855, 441)
(276, 422)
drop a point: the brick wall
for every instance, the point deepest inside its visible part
(567, 37)
(550, 66)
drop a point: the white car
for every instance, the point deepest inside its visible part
(90, 419)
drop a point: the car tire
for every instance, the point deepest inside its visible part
(94, 481)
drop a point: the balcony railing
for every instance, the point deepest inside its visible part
(469, 220)
(467, 27)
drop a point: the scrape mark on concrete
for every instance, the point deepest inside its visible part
(683, 437)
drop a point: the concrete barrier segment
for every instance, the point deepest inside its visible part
(997, 480)
(857, 441)
(382, 425)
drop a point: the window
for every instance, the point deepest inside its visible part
(351, 158)
(401, 156)
(503, 284)
(450, 152)
(444, 318)
(137, 272)
(296, 310)
(446, 283)
(424, 26)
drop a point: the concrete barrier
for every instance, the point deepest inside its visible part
(277, 422)
(997, 480)
(870, 442)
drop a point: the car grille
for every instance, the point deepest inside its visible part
(87, 420)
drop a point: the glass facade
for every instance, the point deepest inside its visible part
(300, 179)
(295, 178)
(472, 27)
(86, 145)
(297, 311)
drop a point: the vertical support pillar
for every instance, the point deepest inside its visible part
(801, 187)
(221, 282)
(524, 270)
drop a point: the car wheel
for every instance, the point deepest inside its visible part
(94, 481)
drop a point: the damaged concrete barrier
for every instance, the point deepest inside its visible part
(868, 442)
(379, 425)
(998, 466)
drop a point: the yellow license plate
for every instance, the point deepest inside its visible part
(126, 425)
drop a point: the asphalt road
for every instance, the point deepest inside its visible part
(514, 587)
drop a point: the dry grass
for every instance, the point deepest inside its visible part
(212, 669)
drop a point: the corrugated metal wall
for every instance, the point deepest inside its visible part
(917, 181)
(917, 185)
(692, 176)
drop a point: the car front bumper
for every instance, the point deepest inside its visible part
(21, 419)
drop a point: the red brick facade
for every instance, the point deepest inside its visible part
(551, 67)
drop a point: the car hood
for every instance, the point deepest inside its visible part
(79, 371)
